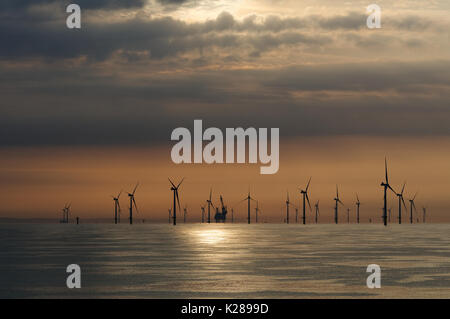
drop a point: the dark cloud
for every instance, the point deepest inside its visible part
(80, 107)
(84, 4)
(136, 80)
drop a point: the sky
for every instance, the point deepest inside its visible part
(85, 113)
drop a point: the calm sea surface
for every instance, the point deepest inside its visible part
(224, 261)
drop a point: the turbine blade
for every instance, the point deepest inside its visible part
(386, 170)
(134, 190)
(357, 198)
(403, 201)
(180, 182)
(309, 204)
(307, 186)
(403, 188)
(171, 182)
(134, 202)
(414, 196)
(389, 186)
(178, 199)
(210, 194)
(337, 192)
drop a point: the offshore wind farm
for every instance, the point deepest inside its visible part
(221, 209)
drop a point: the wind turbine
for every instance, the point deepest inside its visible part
(116, 207)
(287, 208)
(386, 185)
(209, 206)
(66, 212)
(424, 213)
(411, 205)
(305, 195)
(317, 211)
(400, 202)
(338, 201)
(256, 212)
(185, 214)
(176, 199)
(203, 214)
(248, 199)
(133, 202)
(358, 203)
(232, 216)
(348, 215)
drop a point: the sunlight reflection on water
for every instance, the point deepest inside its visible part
(224, 260)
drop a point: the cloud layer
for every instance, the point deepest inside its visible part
(130, 77)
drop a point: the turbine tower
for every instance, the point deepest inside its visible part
(400, 202)
(185, 214)
(358, 203)
(133, 202)
(176, 199)
(411, 205)
(116, 207)
(386, 185)
(338, 201)
(317, 211)
(305, 195)
(232, 216)
(256, 212)
(424, 214)
(348, 215)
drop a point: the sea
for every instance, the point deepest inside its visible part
(224, 260)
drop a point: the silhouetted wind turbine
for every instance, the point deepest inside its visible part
(133, 202)
(116, 207)
(66, 212)
(185, 214)
(232, 215)
(400, 202)
(317, 211)
(424, 214)
(338, 201)
(348, 215)
(256, 212)
(287, 208)
(386, 185)
(411, 205)
(176, 199)
(203, 214)
(209, 206)
(358, 203)
(305, 195)
(248, 199)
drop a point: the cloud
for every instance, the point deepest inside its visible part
(85, 4)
